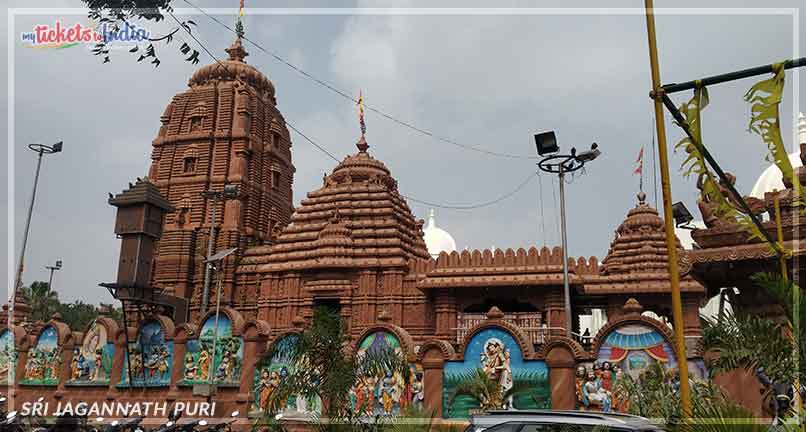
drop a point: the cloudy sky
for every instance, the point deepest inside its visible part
(480, 77)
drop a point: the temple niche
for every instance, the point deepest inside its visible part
(8, 357)
(150, 356)
(92, 360)
(493, 353)
(271, 371)
(201, 365)
(44, 363)
(388, 393)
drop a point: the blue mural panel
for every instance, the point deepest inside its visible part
(92, 361)
(200, 364)
(44, 360)
(8, 358)
(494, 355)
(388, 393)
(272, 371)
(151, 357)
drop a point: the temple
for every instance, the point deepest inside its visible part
(355, 246)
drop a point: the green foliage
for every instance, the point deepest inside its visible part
(695, 164)
(44, 302)
(765, 99)
(325, 370)
(750, 341)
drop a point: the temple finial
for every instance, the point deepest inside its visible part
(362, 144)
(239, 24)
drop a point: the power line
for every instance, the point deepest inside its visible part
(475, 206)
(351, 98)
(325, 151)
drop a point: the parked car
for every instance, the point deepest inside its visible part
(559, 421)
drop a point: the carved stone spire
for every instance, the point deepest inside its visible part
(236, 51)
(362, 144)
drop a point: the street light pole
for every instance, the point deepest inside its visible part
(566, 285)
(53, 268)
(41, 149)
(560, 165)
(231, 192)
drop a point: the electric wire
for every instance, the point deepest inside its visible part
(348, 96)
(325, 151)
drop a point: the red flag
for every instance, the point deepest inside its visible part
(640, 162)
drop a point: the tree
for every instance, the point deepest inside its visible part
(487, 391)
(327, 371)
(43, 301)
(116, 14)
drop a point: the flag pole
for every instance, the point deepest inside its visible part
(671, 244)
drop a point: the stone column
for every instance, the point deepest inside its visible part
(183, 334)
(433, 365)
(19, 369)
(254, 339)
(561, 363)
(64, 370)
(118, 361)
(446, 315)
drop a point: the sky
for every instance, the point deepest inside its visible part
(480, 77)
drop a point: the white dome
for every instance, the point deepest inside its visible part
(437, 239)
(772, 179)
(684, 235)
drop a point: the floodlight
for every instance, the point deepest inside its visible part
(681, 215)
(546, 143)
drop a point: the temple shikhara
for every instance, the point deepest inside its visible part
(397, 281)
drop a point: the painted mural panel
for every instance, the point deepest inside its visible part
(633, 347)
(494, 359)
(628, 350)
(201, 364)
(151, 357)
(8, 358)
(92, 361)
(388, 393)
(44, 360)
(270, 373)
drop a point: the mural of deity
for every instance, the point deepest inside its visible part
(8, 358)
(224, 366)
(44, 360)
(495, 361)
(272, 371)
(494, 354)
(390, 392)
(92, 361)
(151, 358)
(590, 387)
(634, 347)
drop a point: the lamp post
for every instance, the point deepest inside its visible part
(229, 192)
(215, 262)
(52, 269)
(559, 164)
(41, 150)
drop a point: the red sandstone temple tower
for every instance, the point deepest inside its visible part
(225, 129)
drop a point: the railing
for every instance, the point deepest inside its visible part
(530, 323)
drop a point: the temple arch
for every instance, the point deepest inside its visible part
(150, 356)
(495, 349)
(94, 353)
(215, 354)
(44, 363)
